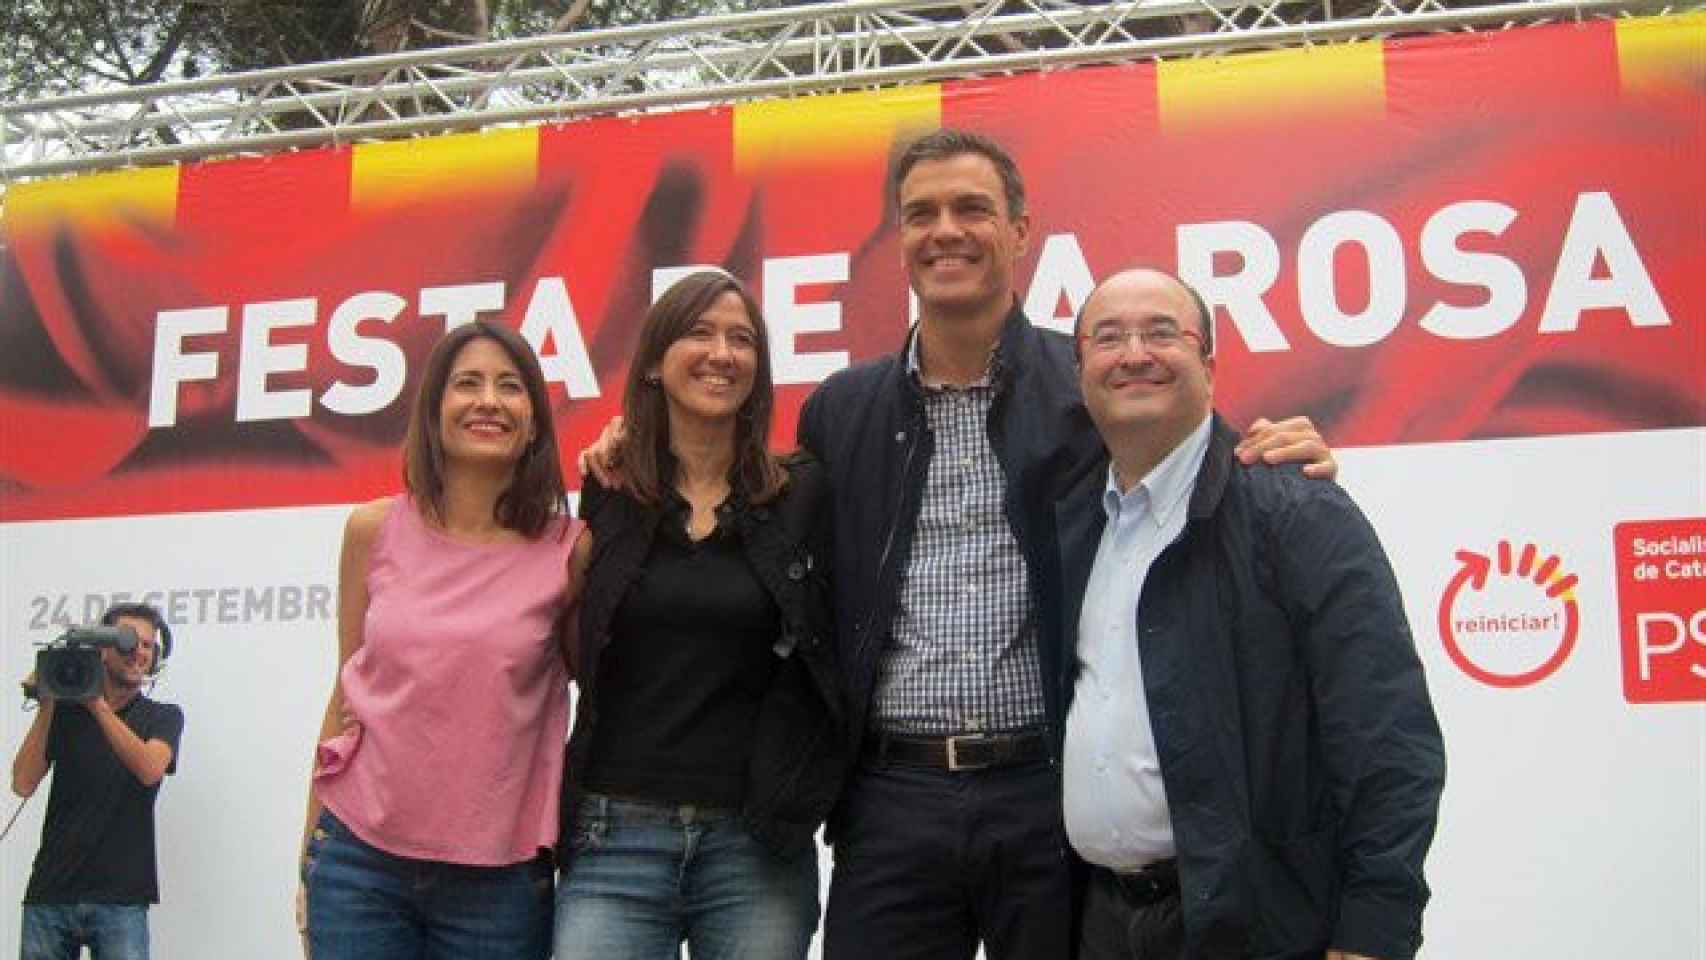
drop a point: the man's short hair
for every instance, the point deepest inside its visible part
(1205, 317)
(135, 611)
(946, 143)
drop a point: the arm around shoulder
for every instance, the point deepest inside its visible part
(568, 622)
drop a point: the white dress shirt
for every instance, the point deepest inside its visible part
(1116, 804)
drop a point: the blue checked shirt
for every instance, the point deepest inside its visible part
(963, 651)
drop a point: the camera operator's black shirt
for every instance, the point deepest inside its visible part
(97, 842)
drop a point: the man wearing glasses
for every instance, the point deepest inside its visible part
(1252, 765)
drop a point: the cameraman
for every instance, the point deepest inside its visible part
(94, 875)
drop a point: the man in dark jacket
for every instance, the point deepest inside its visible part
(945, 459)
(1252, 766)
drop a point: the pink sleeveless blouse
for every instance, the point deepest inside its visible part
(459, 695)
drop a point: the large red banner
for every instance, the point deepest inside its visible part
(1425, 240)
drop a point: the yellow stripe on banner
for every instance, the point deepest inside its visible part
(1272, 86)
(394, 173)
(810, 130)
(95, 201)
(1657, 53)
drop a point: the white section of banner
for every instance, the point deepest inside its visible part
(1572, 823)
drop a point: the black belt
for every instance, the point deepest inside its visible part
(1152, 884)
(971, 751)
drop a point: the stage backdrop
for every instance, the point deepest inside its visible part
(1478, 261)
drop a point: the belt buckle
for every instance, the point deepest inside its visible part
(954, 764)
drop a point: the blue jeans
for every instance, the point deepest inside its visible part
(59, 931)
(366, 904)
(642, 878)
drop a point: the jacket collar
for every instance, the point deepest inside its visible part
(1002, 362)
(1217, 466)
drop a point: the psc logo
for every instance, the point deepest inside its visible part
(1661, 608)
(1510, 628)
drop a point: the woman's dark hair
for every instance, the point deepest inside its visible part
(535, 494)
(647, 462)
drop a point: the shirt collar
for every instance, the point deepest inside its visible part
(916, 369)
(1166, 487)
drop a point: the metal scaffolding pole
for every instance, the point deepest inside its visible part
(851, 44)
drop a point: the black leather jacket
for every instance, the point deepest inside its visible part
(867, 425)
(795, 767)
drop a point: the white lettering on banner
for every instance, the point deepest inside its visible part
(1685, 569)
(172, 366)
(1061, 269)
(788, 318)
(255, 603)
(260, 358)
(1670, 546)
(1507, 293)
(1316, 293)
(1233, 264)
(383, 357)
(1241, 292)
(462, 303)
(1595, 233)
(550, 313)
(1648, 627)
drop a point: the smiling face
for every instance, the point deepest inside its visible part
(1164, 391)
(960, 241)
(486, 415)
(707, 373)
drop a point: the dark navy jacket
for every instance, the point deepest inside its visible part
(1301, 756)
(795, 766)
(867, 425)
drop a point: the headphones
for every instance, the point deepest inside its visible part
(162, 630)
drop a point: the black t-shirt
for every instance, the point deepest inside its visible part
(97, 842)
(689, 661)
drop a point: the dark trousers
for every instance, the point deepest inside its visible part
(1118, 926)
(928, 863)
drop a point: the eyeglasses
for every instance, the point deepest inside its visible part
(1113, 339)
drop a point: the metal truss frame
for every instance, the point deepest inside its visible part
(815, 48)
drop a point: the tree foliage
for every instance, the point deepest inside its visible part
(52, 47)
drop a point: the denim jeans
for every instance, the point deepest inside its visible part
(59, 931)
(642, 878)
(366, 904)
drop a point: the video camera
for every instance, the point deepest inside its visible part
(69, 668)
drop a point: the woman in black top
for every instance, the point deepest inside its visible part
(704, 752)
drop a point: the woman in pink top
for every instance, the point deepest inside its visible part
(434, 796)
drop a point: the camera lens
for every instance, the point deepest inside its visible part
(71, 673)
